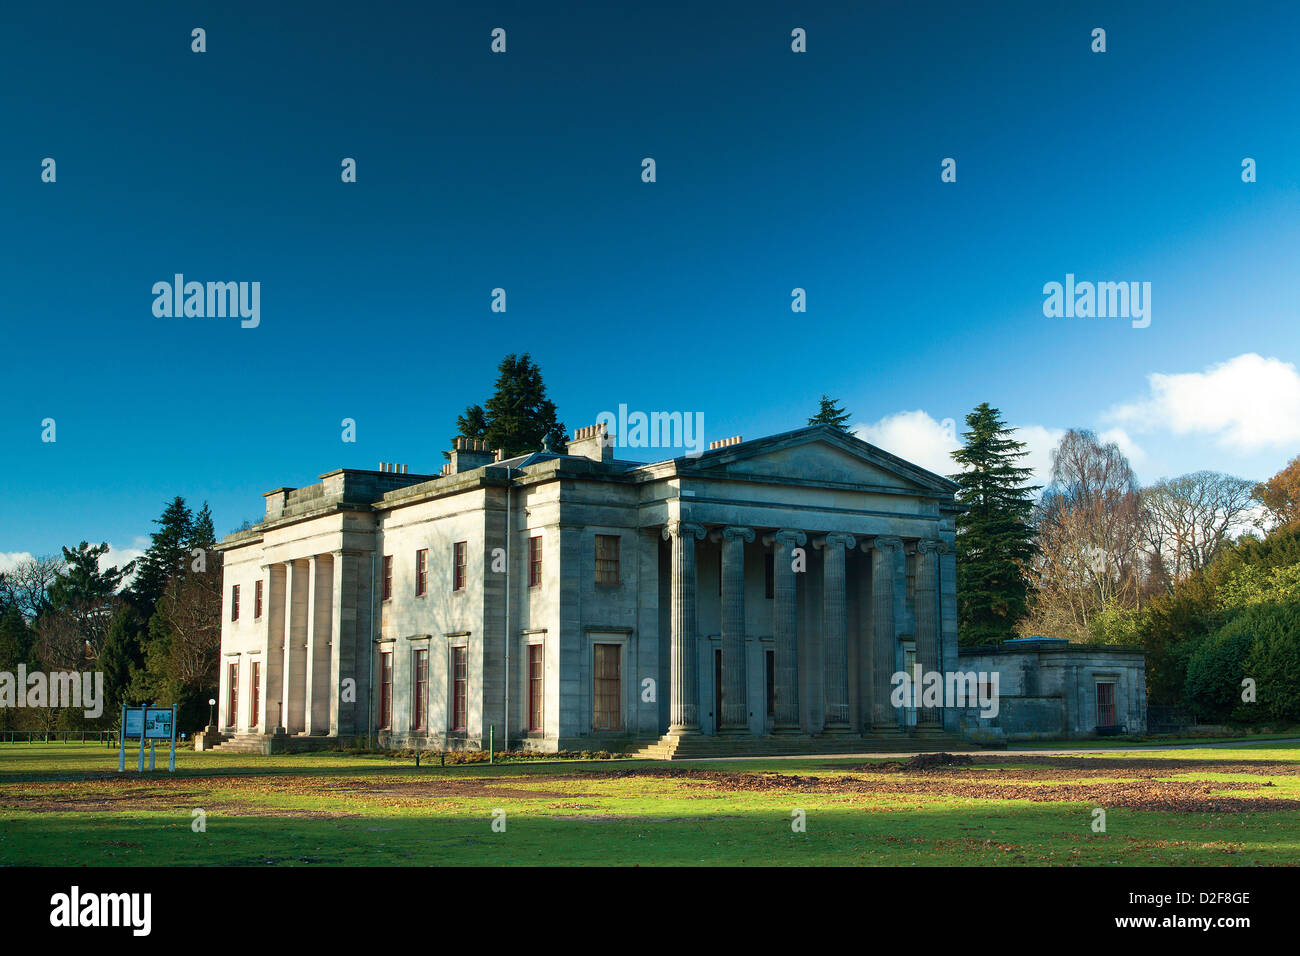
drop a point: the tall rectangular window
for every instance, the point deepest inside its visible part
(607, 559)
(1105, 704)
(234, 602)
(232, 694)
(420, 685)
(254, 692)
(769, 576)
(421, 571)
(459, 688)
(536, 684)
(607, 692)
(257, 599)
(459, 557)
(388, 576)
(769, 667)
(535, 561)
(385, 690)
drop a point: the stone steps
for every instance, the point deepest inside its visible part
(702, 746)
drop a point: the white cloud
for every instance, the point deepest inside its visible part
(923, 440)
(1247, 403)
(117, 557)
(915, 437)
(1132, 450)
(9, 560)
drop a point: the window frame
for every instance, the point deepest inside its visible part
(385, 690)
(419, 689)
(535, 561)
(598, 692)
(257, 600)
(421, 572)
(459, 688)
(386, 576)
(234, 603)
(536, 688)
(601, 574)
(459, 565)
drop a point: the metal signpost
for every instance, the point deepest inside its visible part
(147, 723)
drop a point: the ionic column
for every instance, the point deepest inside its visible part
(927, 604)
(735, 706)
(785, 630)
(274, 615)
(312, 638)
(835, 633)
(684, 702)
(884, 639)
(295, 633)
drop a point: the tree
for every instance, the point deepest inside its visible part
(829, 413)
(120, 658)
(166, 555)
(994, 537)
(1187, 520)
(83, 598)
(26, 585)
(518, 417)
(1089, 525)
(1280, 496)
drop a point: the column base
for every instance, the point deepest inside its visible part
(682, 730)
(787, 730)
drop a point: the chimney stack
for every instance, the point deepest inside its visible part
(594, 442)
(468, 454)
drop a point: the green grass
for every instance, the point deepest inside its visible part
(65, 804)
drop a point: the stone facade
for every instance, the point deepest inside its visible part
(1050, 688)
(764, 587)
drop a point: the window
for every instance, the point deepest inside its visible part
(388, 576)
(257, 600)
(459, 688)
(420, 682)
(232, 694)
(607, 559)
(1105, 704)
(459, 557)
(385, 690)
(769, 663)
(606, 712)
(535, 686)
(421, 571)
(254, 692)
(769, 576)
(535, 561)
(234, 602)
(719, 570)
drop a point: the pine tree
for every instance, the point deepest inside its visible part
(166, 555)
(995, 540)
(119, 659)
(829, 413)
(518, 417)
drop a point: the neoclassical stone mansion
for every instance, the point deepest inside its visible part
(762, 589)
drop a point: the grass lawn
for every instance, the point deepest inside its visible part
(65, 804)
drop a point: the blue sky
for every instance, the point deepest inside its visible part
(775, 170)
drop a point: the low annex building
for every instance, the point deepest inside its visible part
(576, 601)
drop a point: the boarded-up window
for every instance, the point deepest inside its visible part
(232, 694)
(254, 692)
(421, 571)
(388, 576)
(534, 561)
(607, 713)
(234, 602)
(1105, 704)
(420, 685)
(535, 686)
(460, 688)
(385, 690)
(257, 599)
(607, 559)
(459, 557)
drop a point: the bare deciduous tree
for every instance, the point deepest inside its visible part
(1187, 520)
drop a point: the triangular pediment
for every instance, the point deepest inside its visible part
(821, 453)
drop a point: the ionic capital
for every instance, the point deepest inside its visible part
(835, 540)
(677, 528)
(736, 533)
(937, 545)
(886, 542)
(786, 538)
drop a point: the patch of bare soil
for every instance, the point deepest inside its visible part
(1045, 783)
